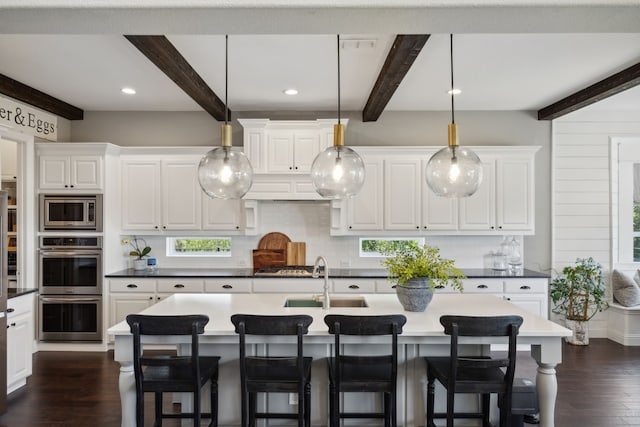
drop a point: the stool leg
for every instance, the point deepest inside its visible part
(387, 409)
(244, 408)
(158, 409)
(253, 408)
(307, 405)
(333, 406)
(486, 399)
(214, 403)
(196, 407)
(430, 401)
(450, 407)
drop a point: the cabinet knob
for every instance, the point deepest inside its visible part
(10, 310)
(156, 227)
(290, 167)
(178, 286)
(354, 287)
(66, 186)
(425, 227)
(439, 286)
(296, 168)
(71, 186)
(508, 299)
(525, 287)
(237, 227)
(482, 286)
(158, 298)
(13, 323)
(500, 227)
(164, 227)
(227, 287)
(132, 286)
(417, 227)
(350, 227)
(150, 298)
(492, 227)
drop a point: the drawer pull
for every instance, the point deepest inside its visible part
(178, 286)
(10, 310)
(227, 287)
(354, 287)
(394, 286)
(132, 286)
(439, 286)
(525, 287)
(13, 323)
(482, 286)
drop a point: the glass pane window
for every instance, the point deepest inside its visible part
(636, 212)
(199, 246)
(378, 247)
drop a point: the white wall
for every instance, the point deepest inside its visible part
(582, 197)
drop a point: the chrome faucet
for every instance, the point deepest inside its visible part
(326, 303)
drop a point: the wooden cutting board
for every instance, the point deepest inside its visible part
(274, 240)
(296, 253)
(268, 258)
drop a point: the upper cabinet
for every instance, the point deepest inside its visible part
(281, 153)
(8, 160)
(397, 199)
(73, 167)
(162, 193)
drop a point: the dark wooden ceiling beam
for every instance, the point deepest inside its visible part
(619, 82)
(31, 96)
(166, 57)
(403, 53)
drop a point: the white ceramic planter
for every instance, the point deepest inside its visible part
(139, 264)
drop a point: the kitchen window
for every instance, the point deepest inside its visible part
(376, 247)
(628, 200)
(198, 246)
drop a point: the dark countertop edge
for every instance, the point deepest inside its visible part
(18, 292)
(334, 273)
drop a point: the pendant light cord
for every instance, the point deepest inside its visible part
(226, 77)
(338, 78)
(453, 119)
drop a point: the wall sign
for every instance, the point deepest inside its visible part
(23, 118)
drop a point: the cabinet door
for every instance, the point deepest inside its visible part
(438, 213)
(533, 303)
(477, 212)
(365, 210)
(9, 159)
(53, 172)
(220, 214)
(181, 195)
(85, 172)
(515, 194)
(122, 305)
(280, 152)
(19, 341)
(306, 146)
(402, 194)
(141, 182)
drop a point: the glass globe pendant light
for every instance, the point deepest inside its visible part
(222, 172)
(454, 171)
(338, 172)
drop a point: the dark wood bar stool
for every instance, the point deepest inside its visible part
(262, 374)
(173, 374)
(477, 375)
(361, 373)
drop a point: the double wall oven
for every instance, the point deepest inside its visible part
(70, 279)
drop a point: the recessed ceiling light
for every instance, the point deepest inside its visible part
(290, 92)
(128, 90)
(454, 91)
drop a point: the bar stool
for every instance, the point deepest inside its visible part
(358, 373)
(173, 374)
(285, 374)
(477, 375)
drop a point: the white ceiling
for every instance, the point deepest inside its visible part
(496, 71)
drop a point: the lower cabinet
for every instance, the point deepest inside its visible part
(20, 336)
(128, 296)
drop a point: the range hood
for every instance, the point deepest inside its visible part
(282, 187)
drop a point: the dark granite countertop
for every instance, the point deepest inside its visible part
(16, 292)
(337, 273)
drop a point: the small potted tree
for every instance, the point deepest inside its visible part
(578, 294)
(139, 250)
(417, 270)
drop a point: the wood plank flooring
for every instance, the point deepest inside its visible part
(598, 386)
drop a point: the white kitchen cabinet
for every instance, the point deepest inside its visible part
(438, 213)
(8, 160)
(129, 295)
(228, 285)
(504, 201)
(288, 285)
(221, 214)
(402, 201)
(73, 172)
(531, 294)
(365, 210)
(292, 150)
(20, 336)
(180, 285)
(160, 194)
(354, 286)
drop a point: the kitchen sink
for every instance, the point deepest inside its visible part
(335, 302)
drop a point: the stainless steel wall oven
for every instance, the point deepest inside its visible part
(70, 281)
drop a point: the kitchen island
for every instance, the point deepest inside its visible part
(423, 335)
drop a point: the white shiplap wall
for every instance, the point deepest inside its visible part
(582, 190)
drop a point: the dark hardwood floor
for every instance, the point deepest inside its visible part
(598, 386)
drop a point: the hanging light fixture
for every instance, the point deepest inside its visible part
(338, 171)
(222, 172)
(454, 171)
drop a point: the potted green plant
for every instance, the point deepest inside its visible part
(578, 294)
(140, 249)
(417, 270)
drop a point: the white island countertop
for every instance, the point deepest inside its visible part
(421, 335)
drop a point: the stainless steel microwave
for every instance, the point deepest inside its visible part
(70, 212)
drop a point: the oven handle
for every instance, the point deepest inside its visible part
(70, 299)
(78, 252)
